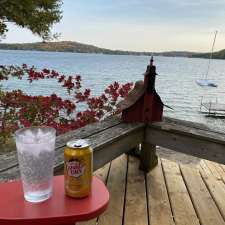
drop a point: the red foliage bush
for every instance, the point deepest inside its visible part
(17, 109)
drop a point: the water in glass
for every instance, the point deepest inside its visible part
(36, 147)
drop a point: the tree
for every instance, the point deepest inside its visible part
(36, 15)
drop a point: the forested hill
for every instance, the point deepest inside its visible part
(65, 46)
(70, 46)
(216, 55)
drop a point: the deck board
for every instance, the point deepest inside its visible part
(223, 166)
(183, 210)
(204, 169)
(102, 173)
(217, 191)
(204, 204)
(171, 194)
(158, 200)
(136, 202)
(213, 169)
(220, 171)
(116, 185)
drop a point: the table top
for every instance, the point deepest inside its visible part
(59, 209)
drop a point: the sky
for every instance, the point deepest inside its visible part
(138, 25)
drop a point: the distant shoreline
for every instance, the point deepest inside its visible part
(122, 54)
(76, 47)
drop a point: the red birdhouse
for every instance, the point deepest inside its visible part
(143, 104)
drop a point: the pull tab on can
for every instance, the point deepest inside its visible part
(78, 144)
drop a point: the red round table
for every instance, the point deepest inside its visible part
(58, 210)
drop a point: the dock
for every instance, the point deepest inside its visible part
(213, 109)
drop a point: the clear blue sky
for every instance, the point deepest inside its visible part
(140, 25)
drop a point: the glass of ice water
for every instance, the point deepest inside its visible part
(36, 151)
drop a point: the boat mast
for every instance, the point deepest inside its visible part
(211, 55)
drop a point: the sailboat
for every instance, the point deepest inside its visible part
(205, 81)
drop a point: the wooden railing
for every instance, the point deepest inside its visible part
(189, 138)
(111, 138)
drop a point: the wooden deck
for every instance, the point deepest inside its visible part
(171, 194)
(180, 191)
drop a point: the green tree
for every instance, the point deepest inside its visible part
(36, 15)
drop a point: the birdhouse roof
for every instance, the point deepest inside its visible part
(133, 96)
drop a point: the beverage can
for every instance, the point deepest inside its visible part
(78, 168)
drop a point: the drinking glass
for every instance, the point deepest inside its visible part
(36, 151)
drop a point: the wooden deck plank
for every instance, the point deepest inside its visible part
(223, 166)
(220, 171)
(204, 169)
(136, 202)
(102, 173)
(213, 169)
(158, 201)
(205, 206)
(217, 190)
(116, 185)
(183, 210)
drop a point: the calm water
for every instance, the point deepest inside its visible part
(175, 83)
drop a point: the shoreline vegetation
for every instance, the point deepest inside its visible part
(76, 47)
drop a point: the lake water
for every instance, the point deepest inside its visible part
(175, 83)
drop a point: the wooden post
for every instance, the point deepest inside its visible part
(148, 159)
(135, 151)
